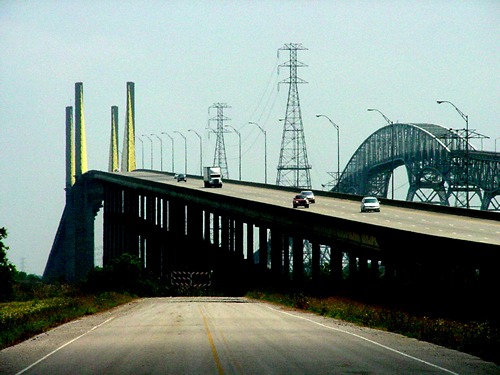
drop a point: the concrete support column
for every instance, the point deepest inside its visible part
(286, 257)
(166, 250)
(374, 269)
(336, 266)
(110, 227)
(141, 232)
(389, 271)
(177, 215)
(216, 228)
(315, 266)
(250, 260)
(153, 257)
(262, 247)
(298, 258)
(363, 267)
(276, 253)
(238, 239)
(353, 265)
(206, 226)
(131, 226)
(194, 223)
(225, 233)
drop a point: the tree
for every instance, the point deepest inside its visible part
(7, 270)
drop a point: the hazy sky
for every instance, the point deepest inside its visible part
(184, 56)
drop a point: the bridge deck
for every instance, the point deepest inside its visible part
(409, 219)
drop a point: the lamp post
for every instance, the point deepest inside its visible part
(142, 149)
(144, 135)
(161, 151)
(172, 141)
(185, 150)
(466, 119)
(239, 149)
(265, 149)
(496, 143)
(201, 150)
(392, 148)
(338, 147)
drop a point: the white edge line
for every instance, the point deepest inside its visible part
(62, 346)
(370, 341)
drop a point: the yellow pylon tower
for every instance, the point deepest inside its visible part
(128, 150)
(113, 147)
(80, 141)
(70, 149)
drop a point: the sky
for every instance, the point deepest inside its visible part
(185, 56)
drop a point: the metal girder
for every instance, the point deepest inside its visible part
(439, 169)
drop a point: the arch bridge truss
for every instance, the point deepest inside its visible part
(441, 169)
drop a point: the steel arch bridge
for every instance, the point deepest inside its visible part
(441, 169)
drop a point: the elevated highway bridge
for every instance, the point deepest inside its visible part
(248, 234)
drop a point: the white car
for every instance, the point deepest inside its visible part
(309, 195)
(370, 204)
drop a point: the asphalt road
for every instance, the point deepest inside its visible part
(419, 221)
(207, 335)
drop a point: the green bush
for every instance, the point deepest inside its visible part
(7, 270)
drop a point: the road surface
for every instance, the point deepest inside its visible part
(413, 220)
(222, 335)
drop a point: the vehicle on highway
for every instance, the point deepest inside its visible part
(370, 204)
(212, 177)
(300, 200)
(181, 177)
(309, 195)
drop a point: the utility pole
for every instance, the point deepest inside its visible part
(293, 167)
(220, 159)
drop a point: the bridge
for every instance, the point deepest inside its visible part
(248, 233)
(442, 166)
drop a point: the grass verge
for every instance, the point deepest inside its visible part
(22, 320)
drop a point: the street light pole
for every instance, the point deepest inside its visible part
(265, 149)
(392, 148)
(497, 138)
(466, 119)
(201, 150)
(172, 141)
(239, 136)
(338, 147)
(161, 152)
(150, 140)
(185, 151)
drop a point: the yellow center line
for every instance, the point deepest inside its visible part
(220, 370)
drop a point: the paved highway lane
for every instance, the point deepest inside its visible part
(211, 335)
(420, 221)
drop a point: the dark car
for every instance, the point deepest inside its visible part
(300, 200)
(181, 177)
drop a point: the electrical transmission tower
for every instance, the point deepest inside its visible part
(220, 149)
(293, 167)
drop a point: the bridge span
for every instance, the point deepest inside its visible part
(249, 233)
